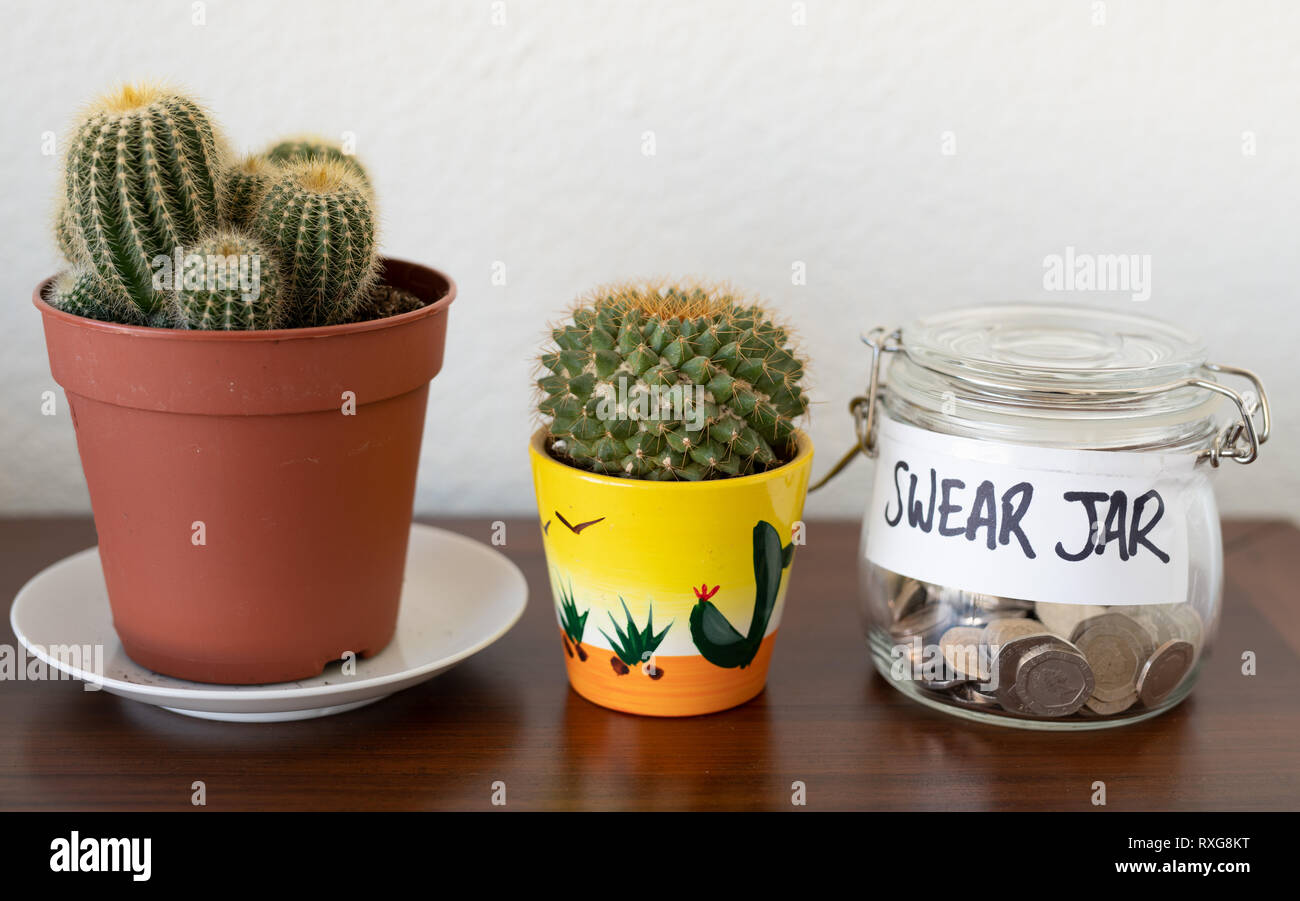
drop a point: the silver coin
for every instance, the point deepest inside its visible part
(910, 598)
(1164, 670)
(1116, 647)
(1190, 626)
(926, 623)
(999, 631)
(1095, 707)
(1156, 620)
(968, 695)
(1007, 663)
(1054, 681)
(1061, 619)
(965, 653)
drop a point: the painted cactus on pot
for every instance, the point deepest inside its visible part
(670, 476)
(150, 186)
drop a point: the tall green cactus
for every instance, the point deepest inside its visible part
(141, 177)
(229, 282)
(305, 147)
(318, 221)
(243, 186)
(671, 382)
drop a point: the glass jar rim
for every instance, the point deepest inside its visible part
(1053, 352)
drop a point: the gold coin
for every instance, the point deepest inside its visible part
(1060, 619)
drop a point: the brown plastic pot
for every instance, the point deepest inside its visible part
(241, 439)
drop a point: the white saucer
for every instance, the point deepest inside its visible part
(458, 597)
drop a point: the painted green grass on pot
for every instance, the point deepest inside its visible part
(636, 645)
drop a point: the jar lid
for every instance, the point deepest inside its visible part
(1025, 349)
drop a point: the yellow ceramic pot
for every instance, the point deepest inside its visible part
(668, 595)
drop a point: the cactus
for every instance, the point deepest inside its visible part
(671, 382)
(229, 282)
(242, 188)
(66, 235)
(714, 636)
(140, 178)
(80, 292)
(303, 147)
(318, 221)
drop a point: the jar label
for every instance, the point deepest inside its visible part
(1044, 524)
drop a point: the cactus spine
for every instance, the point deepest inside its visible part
(141, 176)
(317, 219)
(228, 282)
(671, 382)
(66, 235)
(305, 147)
(242, 189)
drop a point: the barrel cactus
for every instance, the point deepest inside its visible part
(141, 176)
(243, 186)
(671, 382)
(304, 147)
(317, 219)
(229, 282)
(80, 292)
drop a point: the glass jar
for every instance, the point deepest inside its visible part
(1041, 546)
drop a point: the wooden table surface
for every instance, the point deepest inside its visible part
(826, 720)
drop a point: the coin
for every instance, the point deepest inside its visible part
(964, 651)
(1060, 619)
(999, 631)
(924, 623)
(1054, 681)
(1156, 620)
(973, 609)
(911, 597)
(1164, 670)
(969, 696)
(1006, 664)
(1095, 707)
(1116, 647)
(1191, 628)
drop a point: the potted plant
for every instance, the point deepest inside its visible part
(248, 381)
(670, 475)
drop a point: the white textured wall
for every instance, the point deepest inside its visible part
(776, 142)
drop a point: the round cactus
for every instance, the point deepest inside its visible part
(670, 382)
(80, 292)
(304, 147)
(242, 188)
(140, 178)
(228, 281)
(317, 219)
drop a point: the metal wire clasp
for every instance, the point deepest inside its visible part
(863, 407)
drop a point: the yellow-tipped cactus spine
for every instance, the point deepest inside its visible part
(318, 220)
(141, 177)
